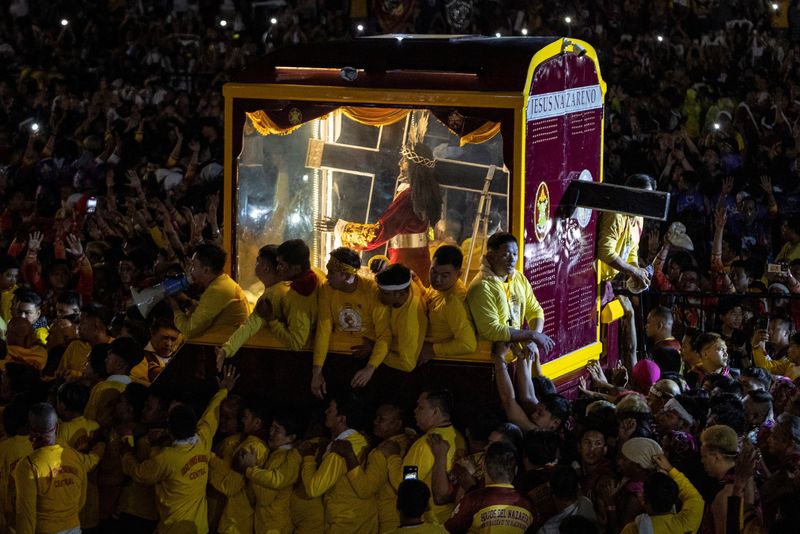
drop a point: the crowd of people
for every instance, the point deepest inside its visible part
(111, 151)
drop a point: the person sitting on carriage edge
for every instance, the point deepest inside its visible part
(348, 305)
(403, 301)
(266, 270)
(450, 329)
(500, 298)
(292, 320)
(222, 305)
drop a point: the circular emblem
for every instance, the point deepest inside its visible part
(541, 212)
(350, 319)
(584, 215)
(459, 14)
(455, 121)
(295, 116)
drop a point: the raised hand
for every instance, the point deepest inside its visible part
(766, 184)
(74, 246)
(727, 186)
(620, 375)
(229, 378)
(133, 180)
(662, 462)
(35, 242)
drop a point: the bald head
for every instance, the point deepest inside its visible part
(659, 323)
(668, 387)
(42, 422)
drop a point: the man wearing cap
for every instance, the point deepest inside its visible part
(718, 451)
(662, 392)
(674, 417)
(348, 307)
(662, 491)
(636, 464)
(404, 304)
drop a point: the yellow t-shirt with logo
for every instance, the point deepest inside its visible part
(345, 318)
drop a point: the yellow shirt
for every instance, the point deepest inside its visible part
(408, 326)
(782, 366)
(6, 298)
(103, 397)
(345, 511)
(180, 475)
(35, 356)
(51, 488)
(73, 360)
(474, 266)
(300, 313)
(617, 236)
(308, 513)
(373, 480)
(687, 520)
(237, 514)
(12, 450)
(351, 316)
(420, 455)
(222, 306)
(77, 433)
(135, 498)
(450, 329)
(254, 323)
(272, 485)
(788, 253)
(216, 500)
(497, 305)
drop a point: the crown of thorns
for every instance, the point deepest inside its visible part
(408, 153)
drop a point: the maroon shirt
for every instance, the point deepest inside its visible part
(495, 508)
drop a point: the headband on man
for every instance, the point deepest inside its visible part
(339, 265)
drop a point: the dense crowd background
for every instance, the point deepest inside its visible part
(111, 151)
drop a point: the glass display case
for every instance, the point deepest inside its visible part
(336, 167)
